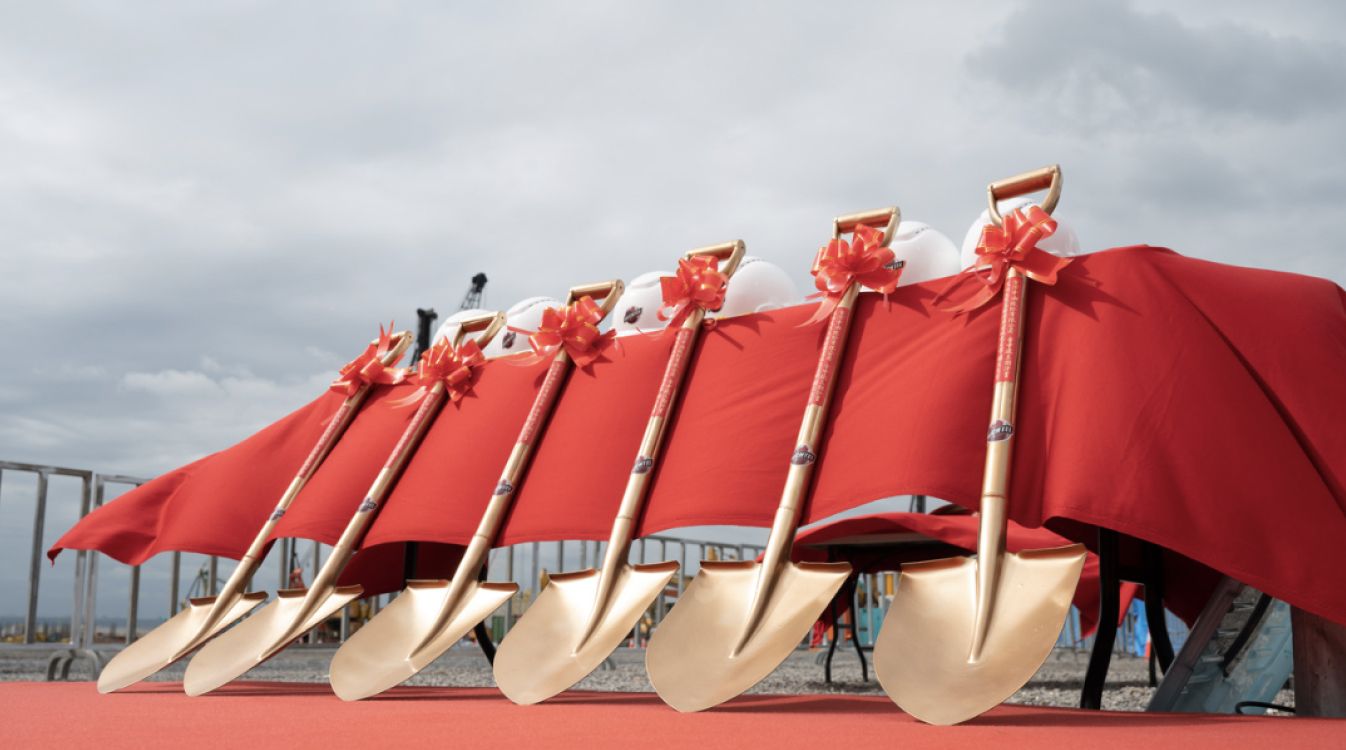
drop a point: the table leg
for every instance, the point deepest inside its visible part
(1109, 590)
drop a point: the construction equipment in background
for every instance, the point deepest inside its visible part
(1236, 659)
(475, 293)
(425, 327)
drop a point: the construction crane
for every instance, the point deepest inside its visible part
(426, 316)
(474, 293)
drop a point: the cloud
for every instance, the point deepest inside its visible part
(1099, 64)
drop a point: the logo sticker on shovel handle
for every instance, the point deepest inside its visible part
(803, 456)
(1000, 430)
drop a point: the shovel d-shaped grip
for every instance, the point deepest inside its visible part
(730, 254)
(604, 292)
(1046, 178)
(885, 218)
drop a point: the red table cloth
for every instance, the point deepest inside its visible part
(1186, 403)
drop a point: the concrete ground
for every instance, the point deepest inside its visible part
(1057, 683)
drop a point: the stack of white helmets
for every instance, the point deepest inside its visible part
(925, 253)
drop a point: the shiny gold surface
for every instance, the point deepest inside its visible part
(382, 654)
(168, 642)
(430, 616)
(297, 611)
(963, 634)
(921, 654)
(888, 218)
(543, 654)
(581, 617)
(203, 618)
(269, 630)
(698, 657)
(738, 621)
(1046, 178)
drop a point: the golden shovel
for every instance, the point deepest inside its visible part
(738, 620)
(581, 617)
(964, 633)
(203, 617)
(430, 616)
(294, 612)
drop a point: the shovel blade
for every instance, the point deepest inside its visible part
(921, 655)
(260, 637)
(690, 658)
(172, 640)
(380, 654)
(543, 653)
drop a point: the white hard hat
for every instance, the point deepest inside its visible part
(526, 314)
(638, 308)
(926, 253)
(1063, 242)
(757, 286)
(449, 327)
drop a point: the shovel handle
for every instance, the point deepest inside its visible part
(730, 254)
(341, 419)
(606, 292)
(378, 490)
(805, 456)
(637, 484)
(475, 556)
(336, 427)
(888, 218)
(1047, 178)
(992, 528)
(485, 326)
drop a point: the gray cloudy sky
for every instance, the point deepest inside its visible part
(207, 207)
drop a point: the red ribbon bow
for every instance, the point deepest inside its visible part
(574, 328)
(1014, 245)
(443, 363)
(865, 261)
(698, 283)
(368, 368)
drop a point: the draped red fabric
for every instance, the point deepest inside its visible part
(1190, 404)
(859, 541)
(447, 483)
(213, 506)
(581, 464)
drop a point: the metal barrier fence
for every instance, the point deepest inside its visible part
(92, 492)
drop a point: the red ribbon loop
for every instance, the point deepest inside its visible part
(368, 368)
(573, 328)
(443, 363)
(1014, 245)
(697, 284)
(865, 260)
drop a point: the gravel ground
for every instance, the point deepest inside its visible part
(1056, 684)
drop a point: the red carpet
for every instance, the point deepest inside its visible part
(258, 715)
